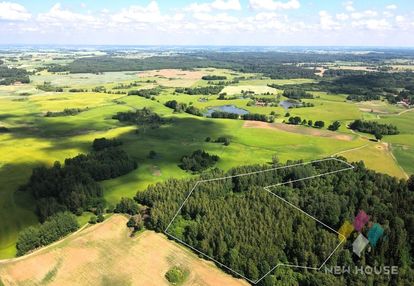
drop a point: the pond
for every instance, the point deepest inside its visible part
(226, 108)
(286, 104)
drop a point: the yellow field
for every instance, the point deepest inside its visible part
(105, 254)
(257, 89)
(376, 156)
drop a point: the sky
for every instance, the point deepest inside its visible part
(209, 22)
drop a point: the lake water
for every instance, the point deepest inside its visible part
(286, 104)
(228, 109)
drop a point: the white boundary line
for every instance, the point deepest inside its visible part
(349, 167)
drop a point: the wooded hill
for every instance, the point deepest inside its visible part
(233, 221)
(74, 185)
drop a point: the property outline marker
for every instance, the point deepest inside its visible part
(267, 188)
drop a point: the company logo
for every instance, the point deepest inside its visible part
(373, 232)
(362, 222)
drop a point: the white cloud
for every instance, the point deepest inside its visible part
(214, 20)
(342, 17)
(402, 22)
(399, 19)
(198, 8)
(222, 17)
(139, 14)
(349, 6)
(226, 5)
(372, 24)
(215, 5)
(391, 7)
(364, 14)
(58, 16)
(326, 21)
(13, 12)
(274, 5)
(265, 16)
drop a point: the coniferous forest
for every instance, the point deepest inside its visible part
(239, 224)
(74, 186)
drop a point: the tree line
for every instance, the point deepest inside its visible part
(248, 116)
(65, 112)
(297, 120)
(182, 107)
(203, 90)
(146, 92)
(373, 127)
(214, 77)
(54, 228)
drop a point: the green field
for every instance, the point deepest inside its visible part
(35, 139)
(403, 143)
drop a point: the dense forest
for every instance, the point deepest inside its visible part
(293, 93)
(74, 186)
(10, 76)
(394, 87)
(371, 86)
(233, 220)
(276, 65)
(271, 63)
(373, 127)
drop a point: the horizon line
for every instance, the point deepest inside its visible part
(209, 45)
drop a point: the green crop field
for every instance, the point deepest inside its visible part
(35, 139)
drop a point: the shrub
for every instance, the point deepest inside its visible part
(93, 219)
(100, 218)
(319, 124)
(176, 275)
(127, 206)
(334, 126)
(198, 161)
(103, 143)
